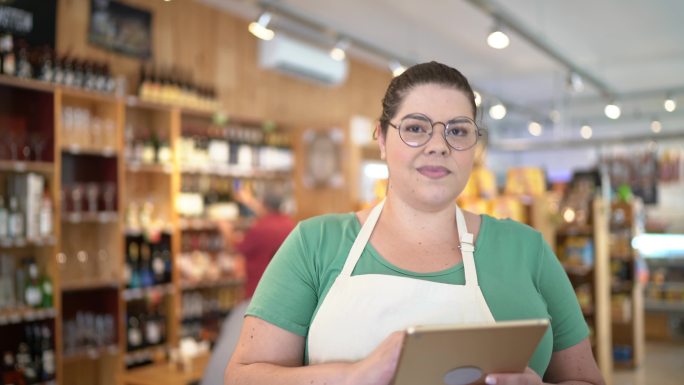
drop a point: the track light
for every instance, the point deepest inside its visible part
(535, 128)
(497, 111)
(586, 132)
(670, 104)
(339, 51)
(612, 110)
(656, 126)
(497, 38)
(260, 29)
(575, 82)
(396, 68)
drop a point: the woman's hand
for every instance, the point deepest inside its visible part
(528, 377)
(379, 367)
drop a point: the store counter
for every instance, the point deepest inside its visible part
(167, 374)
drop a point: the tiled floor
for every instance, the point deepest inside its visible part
(663, 365)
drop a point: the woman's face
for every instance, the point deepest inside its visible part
(430, 176)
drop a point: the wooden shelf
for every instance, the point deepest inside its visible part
(24, 243)
(27, 84)
(135, 102)
(135, 167)
(90, 354)
(143, 292)
(169, 375)
(664, 306)
(22, 166)
(67, 287)
(21, 315)
(227, 282)
(99, 96)
(231, 171)
(88, 217)
(75, 149)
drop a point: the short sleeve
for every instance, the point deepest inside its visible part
(286, 294)
(567, 321)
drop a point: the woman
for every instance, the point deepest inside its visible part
(331, 305)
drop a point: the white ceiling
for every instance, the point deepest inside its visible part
(634, 48)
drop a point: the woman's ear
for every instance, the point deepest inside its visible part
(381, 141)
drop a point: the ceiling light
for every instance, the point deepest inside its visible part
(260, 29)
(656, 126)
(670, 104)
(575, 82)
(339, 51)
(497, 111)
(396, 68)
(534, 128)
(498, 39)
(586, 131)
(555, 116)
(612, 110)
(478, 98)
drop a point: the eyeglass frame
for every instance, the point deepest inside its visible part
(478, 130)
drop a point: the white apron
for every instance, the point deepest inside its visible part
(360, 311)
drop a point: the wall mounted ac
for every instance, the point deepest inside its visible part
(302, 60)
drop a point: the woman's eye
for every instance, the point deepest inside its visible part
(413, 128)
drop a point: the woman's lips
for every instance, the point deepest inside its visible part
(433, 172)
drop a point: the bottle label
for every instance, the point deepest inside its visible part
(152, 333)
(49, 362)
(16, 226)
(33, 296)
(3, 225)
(134, 337)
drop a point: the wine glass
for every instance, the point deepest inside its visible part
(77, 198)
(38, 142)
(92, 192)
(109, 195)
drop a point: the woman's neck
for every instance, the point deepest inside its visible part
(416, 222)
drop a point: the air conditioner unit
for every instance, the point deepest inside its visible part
(302, 60)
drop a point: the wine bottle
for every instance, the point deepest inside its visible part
(10, 373)
(23, 69)
(4, 220)
(146, 275)
(134, 258)
(134, 335)
(16, 220)
(33, 295)
(7, 52)
(48, 352)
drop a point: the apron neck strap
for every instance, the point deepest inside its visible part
(467, 249)
(466, 244)
(362, 240)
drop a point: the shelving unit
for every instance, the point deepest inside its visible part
(27, 150)
(626, 222)
(584, 252)
(89, 138)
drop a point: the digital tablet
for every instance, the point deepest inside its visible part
(465, 354)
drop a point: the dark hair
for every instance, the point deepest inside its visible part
(424, 73)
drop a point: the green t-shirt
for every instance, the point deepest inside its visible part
(519, 275)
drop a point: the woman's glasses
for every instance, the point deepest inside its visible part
(460, 133)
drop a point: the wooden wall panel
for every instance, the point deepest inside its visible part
(217, 48)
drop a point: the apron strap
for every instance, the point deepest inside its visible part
(467, 249)
(466, 245)
(361, 240)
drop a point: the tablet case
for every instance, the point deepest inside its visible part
(465, 354)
